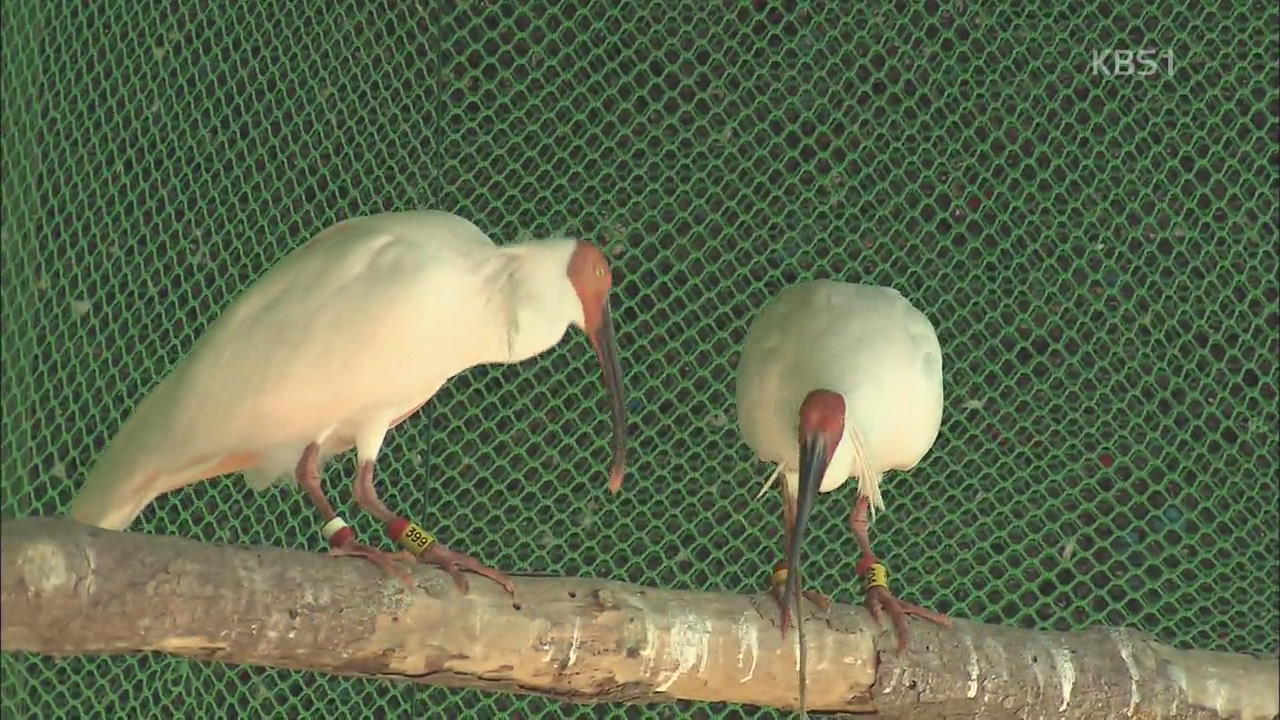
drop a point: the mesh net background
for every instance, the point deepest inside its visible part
(1096, 251)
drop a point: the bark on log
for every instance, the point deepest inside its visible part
(71, 589)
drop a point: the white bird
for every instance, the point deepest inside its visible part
(838, 380)
(344, 338)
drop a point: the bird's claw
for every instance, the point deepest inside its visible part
(384, 560)
(776, 588)
(454, 562)
(880, 599)
(818, 599)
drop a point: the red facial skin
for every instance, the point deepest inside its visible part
(592, 279)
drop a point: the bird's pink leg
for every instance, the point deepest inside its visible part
(878, 595)
(343, 542)
(423, 545)
(778, 580)
(307, 474)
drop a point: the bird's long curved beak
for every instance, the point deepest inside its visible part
(606, 351)
(815, 456)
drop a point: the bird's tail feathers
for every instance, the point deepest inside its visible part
(114, 495)
(868, 478)
(116, 490)
(777, 469)
(108, 505)
(120, 484)
(137, 467)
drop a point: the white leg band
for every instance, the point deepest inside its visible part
(332, 527)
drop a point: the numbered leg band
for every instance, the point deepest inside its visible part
(412, 537)
(337, 532)
(876, 576)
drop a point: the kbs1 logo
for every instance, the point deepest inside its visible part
(1113, 63)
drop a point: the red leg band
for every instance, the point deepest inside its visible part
(864, 564)
(396, 528)
(342, 537)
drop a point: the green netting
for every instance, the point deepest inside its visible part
(1097, 253)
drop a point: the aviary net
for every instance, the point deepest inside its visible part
(1090, 227)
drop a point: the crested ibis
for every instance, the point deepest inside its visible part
(839, 380)
(344, 338)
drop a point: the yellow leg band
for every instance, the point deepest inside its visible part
(415, 539)
(876, 576)
(779, 576)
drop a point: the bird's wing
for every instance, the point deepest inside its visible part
(765, 369)
(826, 333)
(339, 331)
(883, 354)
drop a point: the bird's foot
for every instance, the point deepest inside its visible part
(455, 562)
(427, 549)
(777, 586)
(385, 560)
(880, 599)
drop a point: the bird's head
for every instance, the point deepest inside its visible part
(821, 427)
(591, 278)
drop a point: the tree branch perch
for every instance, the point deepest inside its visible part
(71, 589)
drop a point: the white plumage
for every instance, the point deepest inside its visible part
(849, 376)
(865, 342)
(342, 339)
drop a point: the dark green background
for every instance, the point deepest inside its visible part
(1097, 254)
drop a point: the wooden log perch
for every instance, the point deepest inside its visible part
(71, 589)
